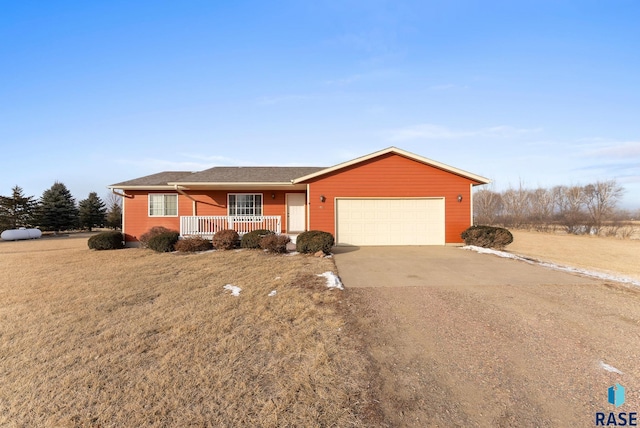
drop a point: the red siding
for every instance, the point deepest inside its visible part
(136, 220)
(392, 175)
(214, 202)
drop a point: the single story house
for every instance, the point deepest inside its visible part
(390, 197)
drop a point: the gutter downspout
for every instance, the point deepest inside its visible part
(123, 195)
(308, 208)
(194, 208)
(471, 201)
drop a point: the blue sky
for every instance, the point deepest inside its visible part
(543, 92)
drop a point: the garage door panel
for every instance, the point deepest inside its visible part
(390, 221)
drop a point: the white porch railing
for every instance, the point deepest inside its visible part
(207, 226)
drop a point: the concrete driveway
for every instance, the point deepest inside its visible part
(437, 266)
(458, 338)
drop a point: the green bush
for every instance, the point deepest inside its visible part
(226, 239)
(106, 241)
(314, 241)
(193, 244)
(275, 243)
(154, 231)
(164, 242)
(252, 239)
(487, 236)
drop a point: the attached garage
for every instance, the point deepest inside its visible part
(391, 197)
(390, 221)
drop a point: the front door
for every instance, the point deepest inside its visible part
(296, 207)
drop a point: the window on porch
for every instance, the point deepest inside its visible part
(245, 204)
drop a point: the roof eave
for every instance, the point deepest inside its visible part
(230, 183)
(141, 187)
(287, 185)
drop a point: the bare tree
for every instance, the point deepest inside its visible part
(487, 206)
(542, 206)
(579, 209)
(516, 206)
(601, 199)
(571, 211)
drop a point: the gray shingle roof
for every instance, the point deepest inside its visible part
(252, 174)
(224, 174)
(158, 179)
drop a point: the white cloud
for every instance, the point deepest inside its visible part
(429, 131)
(625, 150)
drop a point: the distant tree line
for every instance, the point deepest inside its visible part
(57, 210)
(591, 209)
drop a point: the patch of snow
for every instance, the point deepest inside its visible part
(609, 368)
(273, 293)
(238, 250)
(277, 277)
(293, 253)
(569, 269)
(333, 281)
(235, 291)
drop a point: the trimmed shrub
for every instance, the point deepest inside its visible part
(275, 243)
(314, 241)
(487, 236)
(106, 241)
(226, 239)
(253, 238)
(154, 231)
(193, 244)
(164, 242)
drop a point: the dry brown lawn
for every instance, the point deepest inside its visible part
(135, 338)
(608, 255)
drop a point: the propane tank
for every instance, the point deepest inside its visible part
(22, 233)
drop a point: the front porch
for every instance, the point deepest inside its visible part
(207, 226)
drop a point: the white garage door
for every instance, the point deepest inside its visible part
(390, 221)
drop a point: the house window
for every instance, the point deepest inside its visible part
(243, 204)
(163, 205)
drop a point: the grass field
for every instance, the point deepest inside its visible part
(136, 338)
(608, 255)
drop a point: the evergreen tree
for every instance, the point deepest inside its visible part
(16, 210)
(57, 209)
(114, 214)
(92, 212)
